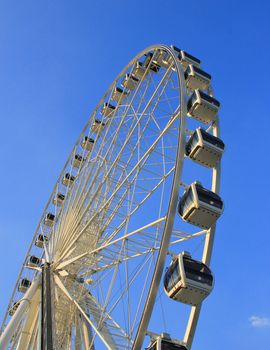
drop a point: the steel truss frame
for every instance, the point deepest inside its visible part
(112, 187)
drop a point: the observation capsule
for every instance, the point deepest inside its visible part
(77, 161)
(87, 143)
(118, 94)
(97, 126)
(187, 280)
(33, 261)
(202, 107)
(196, 78)
(40, 241)
(185, 58)
(24, 285)
(13, 308)
(139, 71)
(130, 82)
(204, 148)
(199, 206)
(150, 62)
(163, 59)
(164, 342)
(108, 110)
(68, 179)
(49, 219)
(59, 199)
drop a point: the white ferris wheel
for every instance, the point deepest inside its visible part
(120, 258)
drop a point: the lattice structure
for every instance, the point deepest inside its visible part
(110, 226)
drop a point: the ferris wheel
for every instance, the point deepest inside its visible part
(128, 230)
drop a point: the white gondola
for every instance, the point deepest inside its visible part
(187, 280)
(150, 62)
(49, 219)
(139, 71)
(33, 261)
(204, 148)
(185, 58)
(59, 199)
(40, 241)
(108, 110)
(130, 82)
(24, 285)
(68, 179)
(200, 206)
(196, 78)
(164, 342)
(163, 59)
(77, 161)
(118, 94)
(202, 107)
(97, 126)
(13, 308)
(87, 143)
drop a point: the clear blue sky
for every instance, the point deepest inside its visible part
(56, 60)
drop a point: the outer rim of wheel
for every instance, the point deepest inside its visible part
(156, 277)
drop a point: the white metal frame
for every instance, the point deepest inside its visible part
(70, 241)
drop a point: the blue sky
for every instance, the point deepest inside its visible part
(57, 59)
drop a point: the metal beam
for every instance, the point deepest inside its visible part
(17, 317)
(30, 322)
(46, 309)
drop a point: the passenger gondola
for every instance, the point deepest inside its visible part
(33, 261)
(150, 62)
(163, 59)
(139, 71)
(130, 82)
(24, 285)
(204, 148)
(187, 280)
(199, 206)
(108, 110)
(77, 161)
(40, 241)
(196, 78)
(202, 107)
(13, 308)
(87, 143)
(164, 342)
(59, 199)
(185, 58)
(118, 94)
(97, 126)
(68, 179)
(49, 219)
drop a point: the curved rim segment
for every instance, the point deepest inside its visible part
(149, 305)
